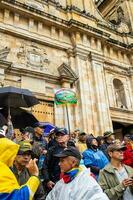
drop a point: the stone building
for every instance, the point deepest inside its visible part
(49, 44)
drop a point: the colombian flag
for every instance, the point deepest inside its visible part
(9, 187)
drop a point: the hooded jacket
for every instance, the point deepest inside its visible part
(9, 187)
(94, 158)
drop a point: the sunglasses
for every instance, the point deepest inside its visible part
(21, 153)
(119, 150)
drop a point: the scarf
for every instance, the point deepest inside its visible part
(70, 175)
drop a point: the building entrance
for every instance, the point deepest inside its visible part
(44, 111)
(121, 129)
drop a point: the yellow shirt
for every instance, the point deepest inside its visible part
(81, 146)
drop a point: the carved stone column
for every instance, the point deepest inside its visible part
(85, 111)
(3, 64)
(131, 81)
(101, 99)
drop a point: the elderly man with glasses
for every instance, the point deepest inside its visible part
(116, 179)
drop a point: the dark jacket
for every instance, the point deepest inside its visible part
(51, 169)
(38, 144)
(103, 148)
(23, 177)
(110, 183)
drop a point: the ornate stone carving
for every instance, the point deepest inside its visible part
(34, 4)
(33, 57)
(67, 74)
(120, 21)
(4, 53)
(120, 15)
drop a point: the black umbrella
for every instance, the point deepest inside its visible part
(16, 97)
(20, 117)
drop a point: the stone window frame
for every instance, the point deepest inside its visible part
(120, 91)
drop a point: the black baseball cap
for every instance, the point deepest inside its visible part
(70, 151)
(62, 131)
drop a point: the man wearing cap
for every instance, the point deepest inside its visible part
(76, 182)
(81, 144)
(27, 134)
(108, 139)
(51, 169)
(116, 179)
(20, 168)
(39, 141)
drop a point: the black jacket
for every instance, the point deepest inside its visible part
(103, 148)
(51, 169)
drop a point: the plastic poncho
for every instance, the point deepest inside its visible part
(82, 187)
(9, 187)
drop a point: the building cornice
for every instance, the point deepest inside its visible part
(116, 67)
(121, 115)
(69, 75)
(5, 64)
(34, 74)
(71, 25)
(57, 5)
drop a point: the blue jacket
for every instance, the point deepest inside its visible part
(95, 158)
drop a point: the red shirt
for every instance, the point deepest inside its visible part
(128, 156)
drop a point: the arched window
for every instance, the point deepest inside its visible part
(119, 93)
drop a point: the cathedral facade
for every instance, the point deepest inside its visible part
(84, 45)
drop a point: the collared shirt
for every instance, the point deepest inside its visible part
(121, 175)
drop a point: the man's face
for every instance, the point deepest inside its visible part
(67, 163)
(82, 138)
(62, 139)
(73, 135)
(116, 155)
(94, 142)
(23, 159)
(110, 139)
(38, 131)
(77, 132)
(126, 140)
(25, 136)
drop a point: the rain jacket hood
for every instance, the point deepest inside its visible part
(9, 187)
(8, 151)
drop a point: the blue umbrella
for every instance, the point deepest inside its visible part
(47, 127)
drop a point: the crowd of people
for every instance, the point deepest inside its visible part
(64, 166)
